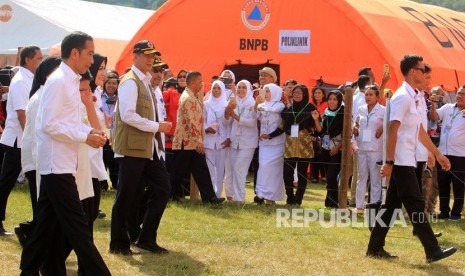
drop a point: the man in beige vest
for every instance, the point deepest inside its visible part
(139, 148)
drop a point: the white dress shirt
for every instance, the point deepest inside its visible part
(29, 142)
(18, 98)
(127, 101)
(59, 124)
(359, 100)
(422, 151)
(368, 125)
(404, 109)
(452, 140)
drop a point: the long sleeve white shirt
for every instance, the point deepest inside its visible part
(127, 101)
(59, 124)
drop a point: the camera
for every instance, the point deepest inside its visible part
(436, 98)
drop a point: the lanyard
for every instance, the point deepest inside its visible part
(298, 114)
(369, 115)
(454, 114)
(329, 124)
(239, 111)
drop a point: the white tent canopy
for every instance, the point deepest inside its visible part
(46, 22)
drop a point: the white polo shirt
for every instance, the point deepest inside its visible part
(59, 124)
(422, 151)
(18, 98)
(452, 141)
(405, 110)
(369, 124)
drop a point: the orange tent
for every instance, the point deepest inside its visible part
(305, 39)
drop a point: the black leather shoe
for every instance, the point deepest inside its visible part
(258, 200)
(216, 200)
(3, 231)
(381, 254)
(101, 214)
(440, 254)
(124, 252)
(152, 247)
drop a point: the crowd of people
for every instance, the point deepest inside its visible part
(151, 131)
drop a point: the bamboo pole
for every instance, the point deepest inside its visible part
(346, 151)
(194, 190)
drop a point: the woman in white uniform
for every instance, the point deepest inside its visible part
(244, 136)
(216, 141)
(270, 183)
(368, 129)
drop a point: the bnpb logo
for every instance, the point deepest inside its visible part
(255, 14)
(6, 12)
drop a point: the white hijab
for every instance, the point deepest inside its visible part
(218, 105)
(248, 100)
(276, 94)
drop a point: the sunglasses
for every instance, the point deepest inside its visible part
(419, 69)
(182, 77)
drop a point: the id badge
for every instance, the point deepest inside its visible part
(295, 131)
(366, 136)
(325, 142)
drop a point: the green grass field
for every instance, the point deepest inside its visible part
(244, 240)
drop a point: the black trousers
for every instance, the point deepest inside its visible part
(111, 164)
(456, 175)
(59, 210)
(317, 166)
(11, 168)
(419, 174)
(404, 189)
(289, 165)
(134, 174)
(332, 169)
(184, 190)
(31, 179)
(255, 165)
(54, 261)
(187, 162)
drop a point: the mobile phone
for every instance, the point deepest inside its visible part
(226, 81)
(386, 69)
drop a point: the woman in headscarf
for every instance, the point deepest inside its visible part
(29, 144)
(244, 136)
(316, 164)
(301, 120)
(99, 173)
(270, 184)
(109, 99)
(216, 139)
(230, 90)
(331, 133)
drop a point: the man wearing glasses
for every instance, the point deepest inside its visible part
(403, 130)
(139, 147)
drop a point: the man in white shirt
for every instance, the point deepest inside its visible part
(404, 131)
(452, 144)
(59, 131)
(359, 100)
(140, 151)
(18, 98)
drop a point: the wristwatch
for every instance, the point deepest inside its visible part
(389, 162)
